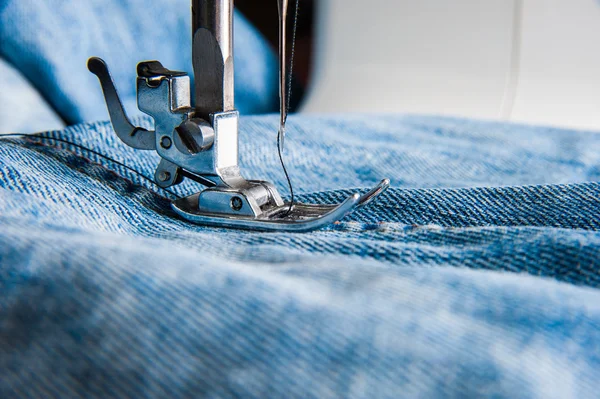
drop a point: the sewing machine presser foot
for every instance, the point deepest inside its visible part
(201, 142)
(295, 217)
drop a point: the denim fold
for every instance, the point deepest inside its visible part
(475, 275)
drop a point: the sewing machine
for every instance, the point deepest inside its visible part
(200, 142)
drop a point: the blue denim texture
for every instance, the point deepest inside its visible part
(50, 41)
(475, 275)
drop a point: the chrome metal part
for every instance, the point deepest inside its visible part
(194, 136)
(302, 218)
(212, 55)
(200, 141)
(167, 174)
(135, 137)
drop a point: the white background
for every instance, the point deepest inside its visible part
(535, 61)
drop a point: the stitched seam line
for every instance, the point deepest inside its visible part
(31, 144)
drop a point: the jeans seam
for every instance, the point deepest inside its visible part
(31, 144)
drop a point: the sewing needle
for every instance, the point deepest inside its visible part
(283, 11)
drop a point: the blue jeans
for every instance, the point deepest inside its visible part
(469, 290)
(476, 274)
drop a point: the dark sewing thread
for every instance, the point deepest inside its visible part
(287, 110)
(31, 136)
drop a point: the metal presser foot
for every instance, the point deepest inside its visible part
(201, 142)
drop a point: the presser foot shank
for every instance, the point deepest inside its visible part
(301, 217)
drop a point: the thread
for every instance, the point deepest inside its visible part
(42, 138)
(287, 109)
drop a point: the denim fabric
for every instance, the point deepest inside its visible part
(475, 275)
(50, 42)
(22, 108)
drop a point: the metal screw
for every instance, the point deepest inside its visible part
(236, 204)
(166, 143)
(164, 176)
